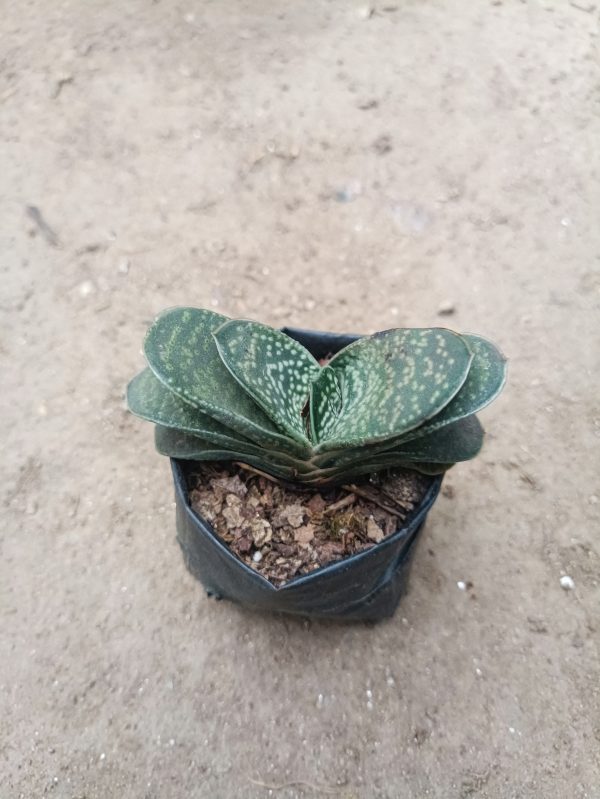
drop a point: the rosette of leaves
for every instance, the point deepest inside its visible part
(236, 390)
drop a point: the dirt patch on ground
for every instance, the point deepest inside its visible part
(334, 166)
(282, 531)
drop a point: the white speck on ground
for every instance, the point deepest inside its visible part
(86, 288)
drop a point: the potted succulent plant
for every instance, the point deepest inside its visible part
(310, 411)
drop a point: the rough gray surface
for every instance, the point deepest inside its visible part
(318, 165)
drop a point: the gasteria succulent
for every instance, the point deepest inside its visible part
(223, 389)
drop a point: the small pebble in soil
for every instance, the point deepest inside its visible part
(461, 585)
(257, 557)
(567, 583)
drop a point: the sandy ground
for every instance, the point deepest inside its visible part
(318, 165)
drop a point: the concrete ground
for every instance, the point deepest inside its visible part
(324, 164)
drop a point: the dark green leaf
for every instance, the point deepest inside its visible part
(459, 441)
(183, 355)
(149, 399)
(177, 444)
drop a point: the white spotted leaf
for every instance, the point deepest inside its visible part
(325, 403)
(394, 381)
(232, 390)
(149, 399)
(273, 368)
(486, 378)
(182, 353)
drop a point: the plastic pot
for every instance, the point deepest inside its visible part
(365, 586)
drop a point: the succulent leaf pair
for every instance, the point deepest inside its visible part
(222, 389)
